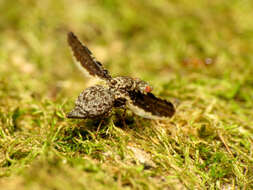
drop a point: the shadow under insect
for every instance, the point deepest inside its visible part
(119, 118)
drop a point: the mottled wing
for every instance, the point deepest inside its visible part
(86, 59)
(149, 106)
(95, 101)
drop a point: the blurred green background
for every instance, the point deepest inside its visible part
(197, 54)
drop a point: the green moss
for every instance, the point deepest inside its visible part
(206, 145)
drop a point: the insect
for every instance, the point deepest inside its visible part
(119, 92)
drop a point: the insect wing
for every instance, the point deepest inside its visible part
(86, 59)
(149, 106)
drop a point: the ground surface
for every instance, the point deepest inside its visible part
(196, 54)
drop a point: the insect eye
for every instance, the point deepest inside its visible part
(148, 89)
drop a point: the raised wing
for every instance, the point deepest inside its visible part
(149, 106)
(86, 59)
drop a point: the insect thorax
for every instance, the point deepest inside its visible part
(120, 86)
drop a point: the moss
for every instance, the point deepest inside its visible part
(196, 54)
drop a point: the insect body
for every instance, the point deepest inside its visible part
(98, 101)
(93, 102)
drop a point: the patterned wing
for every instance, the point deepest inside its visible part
(95, 101)
(149, 106)
(86, 59)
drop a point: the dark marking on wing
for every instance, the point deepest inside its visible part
(85, 57)
(149, 103)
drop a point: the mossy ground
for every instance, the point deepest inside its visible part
(208, 144)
